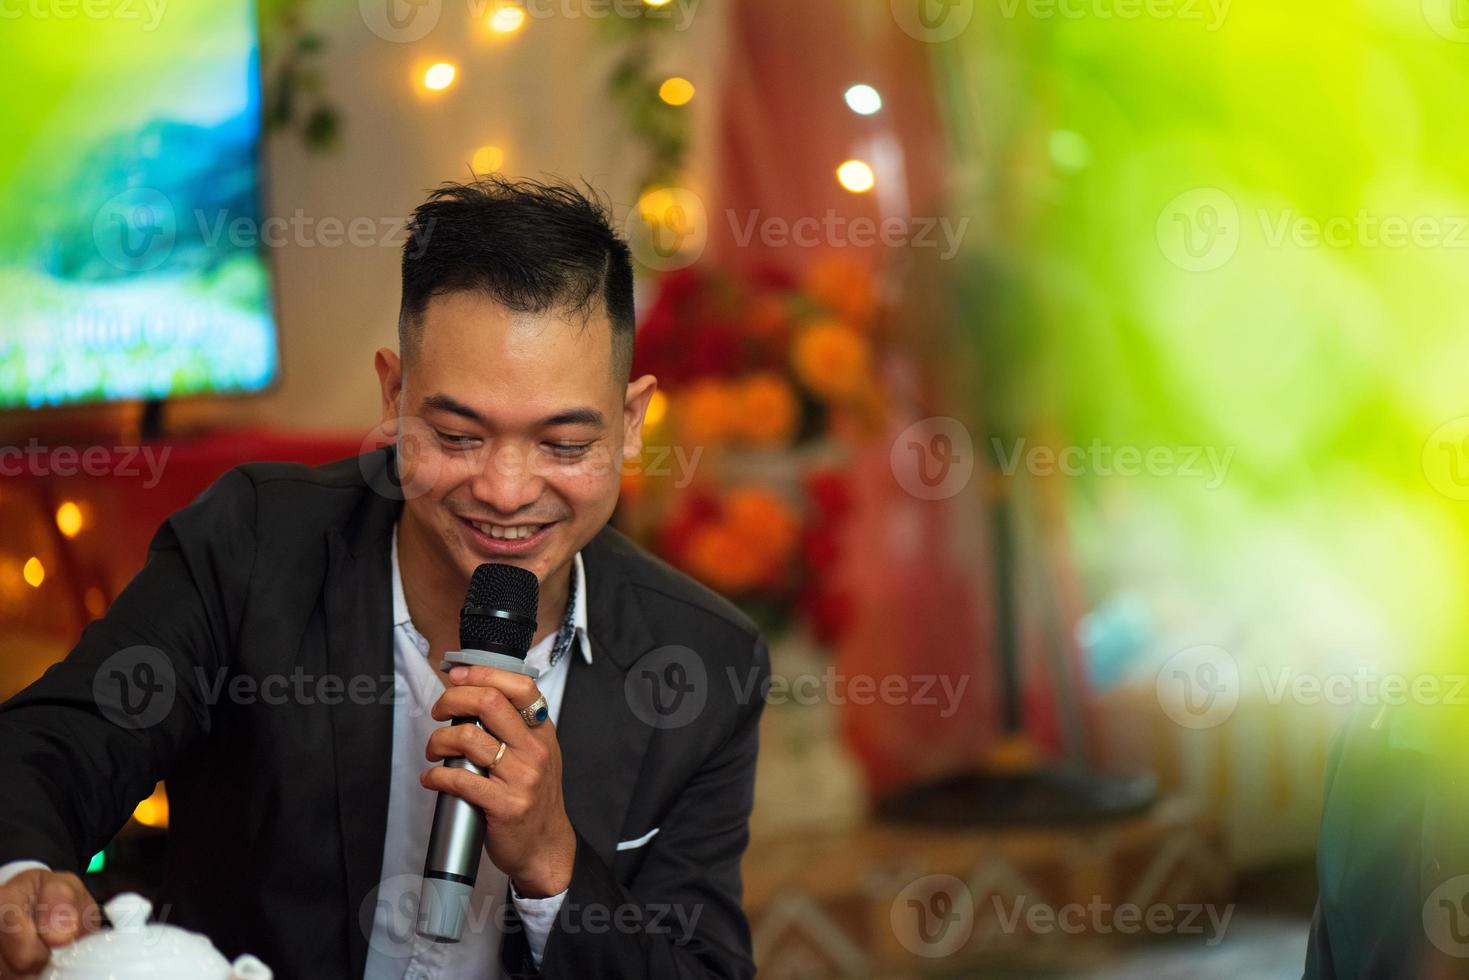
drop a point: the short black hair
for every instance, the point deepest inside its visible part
(532, 246)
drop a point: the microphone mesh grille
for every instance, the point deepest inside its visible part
(507, 588)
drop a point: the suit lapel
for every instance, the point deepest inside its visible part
(358, 605)
(602, 739)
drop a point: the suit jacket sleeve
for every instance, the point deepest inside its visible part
(681, 915)
(81, 746)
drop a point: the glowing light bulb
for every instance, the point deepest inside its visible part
(69, 519)
(507, 18)
(856, 176)
(676, 91)
(34, 572)
(487, 159)
(153, 812)
(657, 3)
(863, 100)
(439, 76)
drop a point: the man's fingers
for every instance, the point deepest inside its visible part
(495, 797)
(489, 705)
(62, 909)
(520, 689)
(462, 783)
(468, 741)
(40, 910)
(22, 953)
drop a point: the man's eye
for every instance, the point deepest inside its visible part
(567, 450)
(453, 441)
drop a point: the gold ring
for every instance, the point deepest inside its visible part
(499, 754)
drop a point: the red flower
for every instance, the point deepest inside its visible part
(711, 350)
(819, 545)
(829, 613)
(831, 493)
(774, 277)
(697, 508)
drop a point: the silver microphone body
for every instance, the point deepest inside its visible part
(452, 862)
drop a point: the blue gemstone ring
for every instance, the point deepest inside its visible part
(536, 713)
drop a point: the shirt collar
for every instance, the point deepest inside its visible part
(401, 616)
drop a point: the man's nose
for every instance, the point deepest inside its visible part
(507, 480)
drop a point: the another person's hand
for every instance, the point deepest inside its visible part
(40, 910)
(528, 834)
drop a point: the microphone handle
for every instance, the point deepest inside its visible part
(452, 863)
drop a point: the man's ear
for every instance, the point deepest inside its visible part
(390, 380)
(634, 410)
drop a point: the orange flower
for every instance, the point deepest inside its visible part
(766, 522)
(844, 285)
(706, 412)
(767, 410)
(833, 360)
(769, 319)
(722, 556)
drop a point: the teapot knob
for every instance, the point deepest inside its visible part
(129, 912)
(249, 968)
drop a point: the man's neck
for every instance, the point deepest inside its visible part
(435, 591)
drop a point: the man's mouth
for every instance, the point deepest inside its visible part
(509, 532)
(506, 539)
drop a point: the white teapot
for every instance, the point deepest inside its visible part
(133, 947)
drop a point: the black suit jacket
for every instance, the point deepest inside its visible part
(1393, 852)
(276, 581)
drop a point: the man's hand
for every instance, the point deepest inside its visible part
(40, 910)
(528, 835)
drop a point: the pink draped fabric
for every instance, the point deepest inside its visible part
(919, 572)
(920, 609)
(783, 127)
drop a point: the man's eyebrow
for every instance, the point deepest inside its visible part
(572, 416)
(444, 403)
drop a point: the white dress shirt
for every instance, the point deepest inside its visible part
(395, 950)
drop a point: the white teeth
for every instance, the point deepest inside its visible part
(508, 533)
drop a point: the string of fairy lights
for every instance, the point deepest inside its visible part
(507, 18)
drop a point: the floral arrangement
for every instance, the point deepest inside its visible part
(764, 380)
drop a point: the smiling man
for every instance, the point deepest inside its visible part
(299, 825)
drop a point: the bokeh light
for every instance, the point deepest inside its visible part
(863, 100)
(856, 176)
(676, 91)
(439, 76)
(507, 17)
(69, 519)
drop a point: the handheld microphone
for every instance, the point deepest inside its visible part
(496, 627)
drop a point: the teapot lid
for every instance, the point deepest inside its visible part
(134, 947)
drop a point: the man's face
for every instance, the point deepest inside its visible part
(510, 429)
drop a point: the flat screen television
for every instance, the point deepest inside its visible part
(129, 188)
